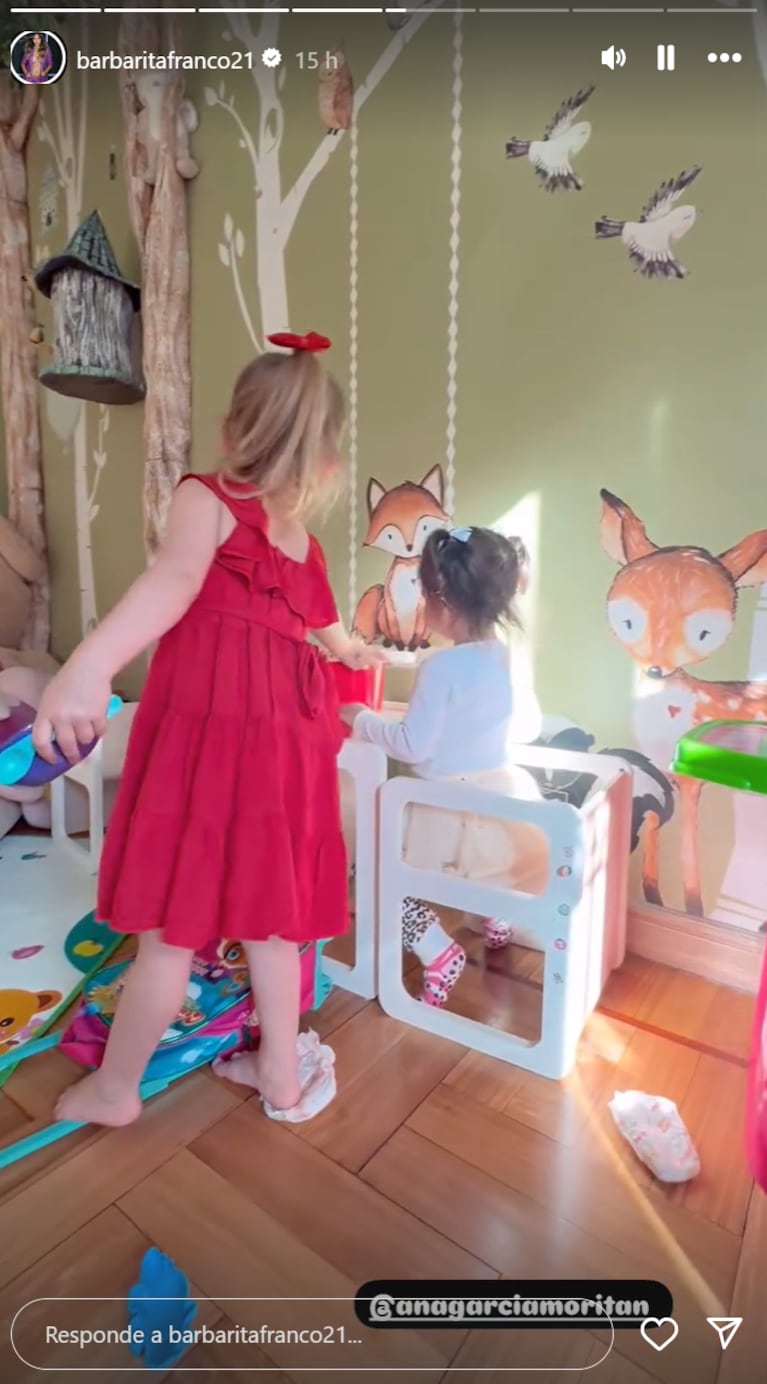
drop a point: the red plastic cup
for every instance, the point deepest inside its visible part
(358, 685)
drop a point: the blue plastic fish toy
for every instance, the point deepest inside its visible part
(157, 1303)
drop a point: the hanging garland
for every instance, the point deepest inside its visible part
(353, 359)
(455, 221)
(454, 263)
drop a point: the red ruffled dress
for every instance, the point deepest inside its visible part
(227, 821)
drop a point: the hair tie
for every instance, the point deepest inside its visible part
(461, 535)
(312, 342)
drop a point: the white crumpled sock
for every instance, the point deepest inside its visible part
(656, 1132)
(316, 1072)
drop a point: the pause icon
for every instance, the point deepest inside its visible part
(666, 57)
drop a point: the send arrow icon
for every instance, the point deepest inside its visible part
(725, 1328)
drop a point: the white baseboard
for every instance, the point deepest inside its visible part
(724, 955)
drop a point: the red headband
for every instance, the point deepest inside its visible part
(311, 342)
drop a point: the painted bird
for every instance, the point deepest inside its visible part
(649, 240)
(336, 93)
(552, 156)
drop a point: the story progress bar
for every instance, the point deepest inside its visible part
(370, 9)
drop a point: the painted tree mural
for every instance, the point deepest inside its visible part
(275, 210)
(18, 355)
(61, 126)
(158, 119)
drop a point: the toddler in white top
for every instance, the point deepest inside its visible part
(470, 703)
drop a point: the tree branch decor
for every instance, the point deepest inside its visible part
(18, 356)
(158, 120)
(275, 211)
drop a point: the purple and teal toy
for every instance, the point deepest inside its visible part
(20, 764)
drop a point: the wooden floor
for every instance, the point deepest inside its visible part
(432, 1162)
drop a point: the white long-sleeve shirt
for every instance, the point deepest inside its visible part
(469, 704)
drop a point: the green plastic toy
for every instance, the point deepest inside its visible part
(732, 753)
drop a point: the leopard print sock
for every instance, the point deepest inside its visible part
(417, 918)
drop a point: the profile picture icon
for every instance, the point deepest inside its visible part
(37, 58)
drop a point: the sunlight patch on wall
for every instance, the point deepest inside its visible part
(523, 521)
(757, 658)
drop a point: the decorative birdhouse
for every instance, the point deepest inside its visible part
(94, 311)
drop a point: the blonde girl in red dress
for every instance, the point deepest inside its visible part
(227, 820)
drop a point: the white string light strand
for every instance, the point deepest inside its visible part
(455, 242)
(353, 359)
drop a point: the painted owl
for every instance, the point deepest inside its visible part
(336, 93)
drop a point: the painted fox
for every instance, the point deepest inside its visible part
(400, 521)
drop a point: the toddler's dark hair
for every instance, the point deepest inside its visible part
(476, 573)
(523, 556)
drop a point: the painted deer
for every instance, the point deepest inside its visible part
(671, 608)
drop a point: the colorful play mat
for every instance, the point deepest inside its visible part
(49, 941)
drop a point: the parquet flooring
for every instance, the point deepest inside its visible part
(432, 1163)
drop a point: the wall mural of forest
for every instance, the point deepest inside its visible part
(515, 348)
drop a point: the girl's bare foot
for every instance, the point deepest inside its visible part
(280, 1089)
(91, 1102)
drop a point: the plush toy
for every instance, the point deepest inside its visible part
(20, 683)
(151, 94)
(23, 674)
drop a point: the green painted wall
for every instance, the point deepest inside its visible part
(573, 372)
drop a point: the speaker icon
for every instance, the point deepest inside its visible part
(613, 57)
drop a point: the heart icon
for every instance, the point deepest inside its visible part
(654, 1323)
